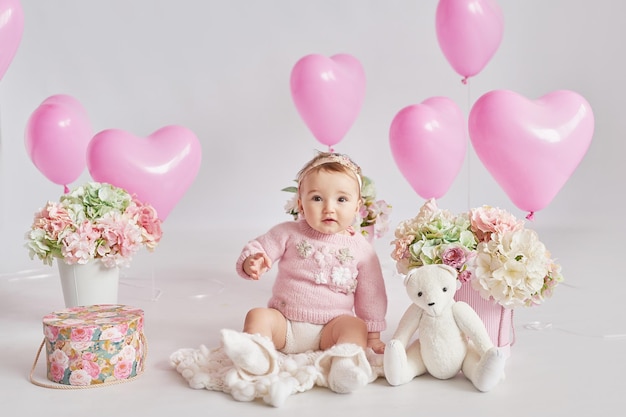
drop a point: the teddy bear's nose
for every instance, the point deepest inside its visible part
(431, 304)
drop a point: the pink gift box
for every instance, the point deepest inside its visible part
(95, 344)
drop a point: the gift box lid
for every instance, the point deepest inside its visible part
(95, 322)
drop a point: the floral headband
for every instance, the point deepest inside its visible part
(337, 158)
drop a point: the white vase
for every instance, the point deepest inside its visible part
(88, 284)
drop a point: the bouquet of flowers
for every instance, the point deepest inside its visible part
(489, 247)
(373, 219)
(93, 221)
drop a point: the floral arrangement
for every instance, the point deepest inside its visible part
(93, 221)
(373, 219)
(489, 247)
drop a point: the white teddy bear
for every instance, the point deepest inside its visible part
(451, 336)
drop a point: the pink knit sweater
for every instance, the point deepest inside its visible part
(322, 276)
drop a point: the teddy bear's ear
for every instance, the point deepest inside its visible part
(408, 275)
(451, 270)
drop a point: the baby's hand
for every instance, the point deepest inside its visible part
(256, 265)
(377, 345)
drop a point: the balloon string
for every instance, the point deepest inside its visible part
(530, 216)
(469, 147)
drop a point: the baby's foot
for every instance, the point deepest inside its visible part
(345, 376)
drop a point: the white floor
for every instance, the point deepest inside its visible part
(569, 355)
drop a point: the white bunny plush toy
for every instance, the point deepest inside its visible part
(451, 337)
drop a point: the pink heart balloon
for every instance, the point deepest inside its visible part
(158, 169)
(429, 142)
(56, 138)
(531, 148)
(328, 94)
(11, 29)
(469, 33)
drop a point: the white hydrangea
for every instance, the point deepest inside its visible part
(511, 267)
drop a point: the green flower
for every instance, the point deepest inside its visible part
(92, 201)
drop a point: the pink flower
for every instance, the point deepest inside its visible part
(57, 371)
(465, 276)
(54, 219)
(93, 221)
(81, 334)
(51, 332)
(401, 250)
(489, 248)
(454, 256)
(146, 217)
(80, 377)
(59, 357)
(123, 369)
(92, 368)
(487, 220)
(120, 239)
(80, 246)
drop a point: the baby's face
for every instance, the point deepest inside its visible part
(329, 201)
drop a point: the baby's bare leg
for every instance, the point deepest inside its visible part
(267, 322)
(344, 329)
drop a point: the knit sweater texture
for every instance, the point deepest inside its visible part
(322, 276)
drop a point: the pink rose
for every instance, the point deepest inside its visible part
(81, 334)
(57, 371)
(91, 368)
(454, 256)
(123, 369)
(80, 377)
(122, 328)
(51, 333)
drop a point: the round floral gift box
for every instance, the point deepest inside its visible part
(95, 344)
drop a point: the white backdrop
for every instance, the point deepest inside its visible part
(221, 68)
